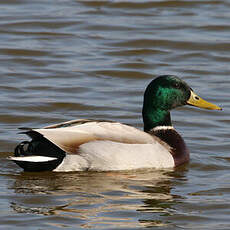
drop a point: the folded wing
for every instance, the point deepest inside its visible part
(70, 135)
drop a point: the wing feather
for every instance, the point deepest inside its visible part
(70, 135)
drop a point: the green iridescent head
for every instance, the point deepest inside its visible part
(165, 93)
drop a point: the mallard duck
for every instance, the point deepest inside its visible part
(101, 145)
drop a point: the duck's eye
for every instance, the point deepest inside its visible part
(177, 85)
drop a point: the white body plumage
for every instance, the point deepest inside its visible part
(105, 146)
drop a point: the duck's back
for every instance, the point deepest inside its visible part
(71, 135)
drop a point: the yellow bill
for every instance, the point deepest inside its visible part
(197, 101)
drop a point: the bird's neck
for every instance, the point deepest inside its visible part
(178, 148)
(153, 118)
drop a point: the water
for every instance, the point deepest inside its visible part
(62, 60)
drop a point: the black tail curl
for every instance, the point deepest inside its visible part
(23, 149)
(38, 147)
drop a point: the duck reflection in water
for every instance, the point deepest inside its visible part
(99, 198)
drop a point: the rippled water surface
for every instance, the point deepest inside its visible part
(63, 60)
